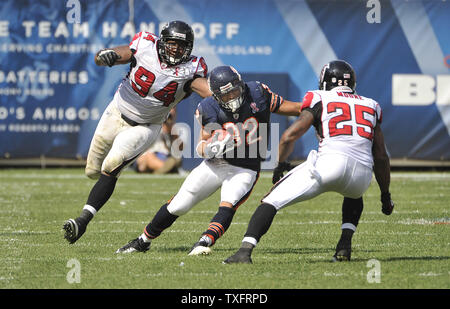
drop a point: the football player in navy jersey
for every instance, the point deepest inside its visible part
(233, 142)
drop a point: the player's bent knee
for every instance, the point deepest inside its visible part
(113, 165)
(177, 210)
(180, 204)
(92, 173)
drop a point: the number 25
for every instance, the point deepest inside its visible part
(346, 116)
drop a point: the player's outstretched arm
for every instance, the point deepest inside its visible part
(287, 142)
(200, 86)
(294, 132)
(289, 108)
(382, 170)
(113, 56)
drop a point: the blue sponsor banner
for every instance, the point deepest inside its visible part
(52, 94)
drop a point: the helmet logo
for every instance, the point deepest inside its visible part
(226, 87)
(179, 35)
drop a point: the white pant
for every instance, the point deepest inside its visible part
(116, 143)
(319, 174)
(236, 182)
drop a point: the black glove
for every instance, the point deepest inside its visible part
(279, 170)
(108, 57)
(387, 205)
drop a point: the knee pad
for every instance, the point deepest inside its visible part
(181, 203)
(92, 173)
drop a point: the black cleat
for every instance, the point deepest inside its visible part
(343, 251)
(242, 256)
(74, 229)
(135, 245)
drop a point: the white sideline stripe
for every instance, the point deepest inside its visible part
(412, 176)
(311, 39)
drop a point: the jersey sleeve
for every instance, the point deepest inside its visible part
(310, 99)
(312, 102)
(205, 113)
(200, 68)
(379, 112)
(142, 39)
(274, 99)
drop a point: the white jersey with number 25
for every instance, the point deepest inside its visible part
(344, 122)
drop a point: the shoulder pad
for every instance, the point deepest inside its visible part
(198, 66)
(310, 99)
(207, 111)
(142, 37)
(258, 94)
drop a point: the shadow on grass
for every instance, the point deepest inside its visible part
(414, 258)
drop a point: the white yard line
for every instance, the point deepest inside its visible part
(45, 175)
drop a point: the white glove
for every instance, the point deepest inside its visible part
(217, 147)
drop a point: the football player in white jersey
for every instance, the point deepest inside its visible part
(351, 145)
(162, 73)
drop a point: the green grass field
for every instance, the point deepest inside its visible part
(412, 246)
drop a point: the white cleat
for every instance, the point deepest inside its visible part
(200, 250)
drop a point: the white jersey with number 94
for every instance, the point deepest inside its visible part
(152, 89)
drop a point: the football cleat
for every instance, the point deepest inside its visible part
(343, 251)
(200, 248)
(74, 229)
(135, 245)
(242, 256)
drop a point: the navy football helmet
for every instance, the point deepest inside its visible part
(227, 87)
(176, 42)
(337, 73)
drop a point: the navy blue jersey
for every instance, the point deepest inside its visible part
(250, 125)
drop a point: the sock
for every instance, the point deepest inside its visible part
(101, 191)
(260, 222)
(145, 238)
(207, 239)
(351, 213)
(219, 223)
(161, 221)
(86, 215)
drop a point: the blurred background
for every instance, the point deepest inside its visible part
(52, 94)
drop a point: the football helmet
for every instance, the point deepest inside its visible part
(337, 73)
(227, 87)
(176, 42)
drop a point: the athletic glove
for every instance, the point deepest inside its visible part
(217, 147)
(279, 171)
(108, 57)
(387, 205)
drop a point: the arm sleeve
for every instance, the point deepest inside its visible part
(274, 99)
